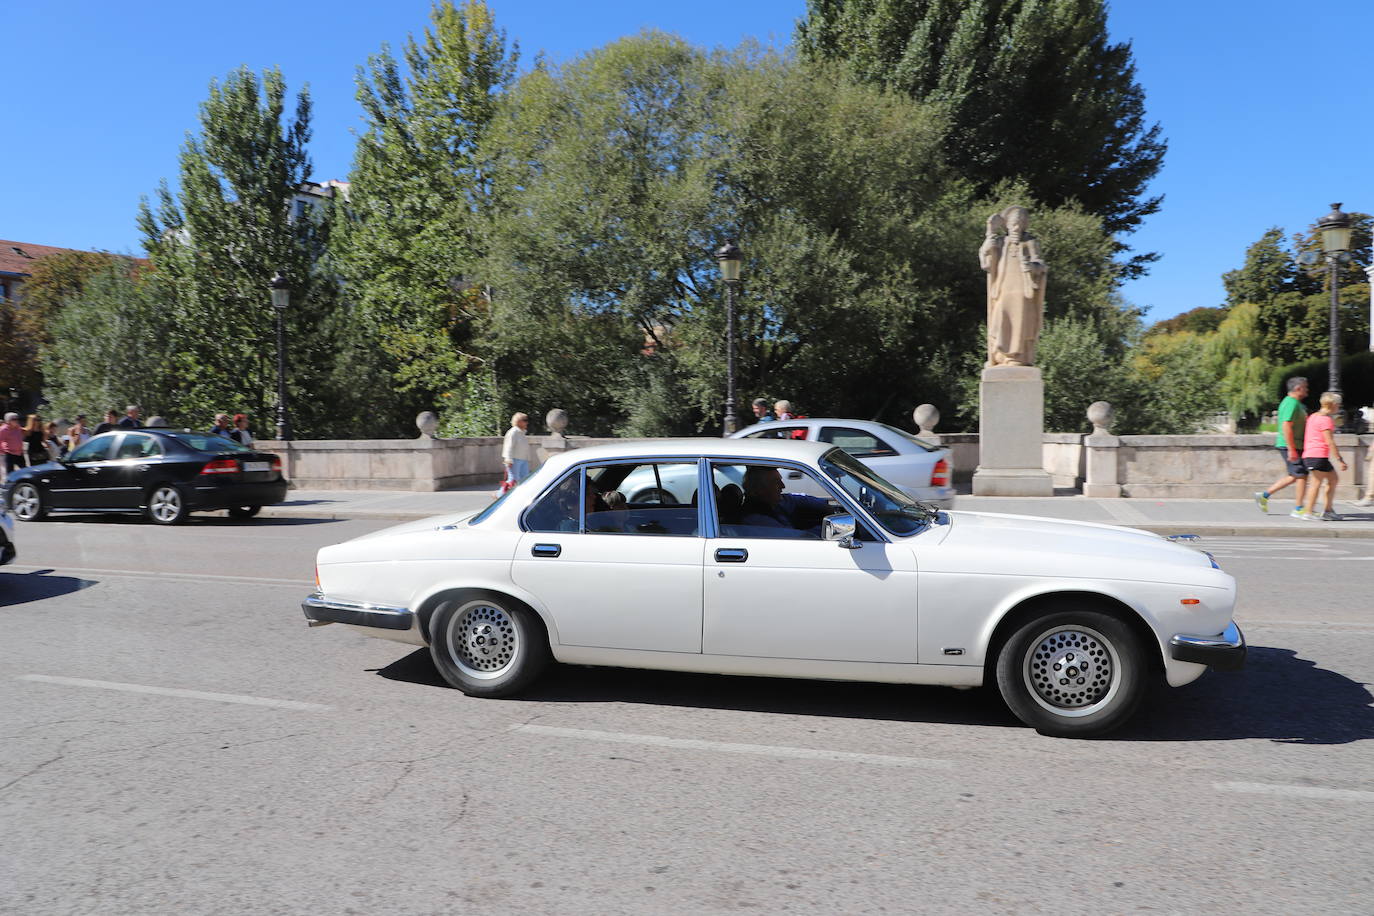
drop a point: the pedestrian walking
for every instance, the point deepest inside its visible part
(110, 422)
(78, 432)
(222, 426)
(515, 451)
(761, 414)
(240, 433)
(52, 441)
(35, 440)
(782, 410)
(12, 443)
(1292, 425)
(1319, 447)
(131, 420)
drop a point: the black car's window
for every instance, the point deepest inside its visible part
(856, 442)
(777, 430)
(92, 449)
(137, 446)
(558, 509)
(208, 442)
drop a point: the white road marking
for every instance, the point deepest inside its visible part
(171, 692)
(725, 747)
(1124, 513)
(139, 574)
(1260, 788)
(1352, 627)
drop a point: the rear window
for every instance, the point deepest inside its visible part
(208, 442)
(930, 447)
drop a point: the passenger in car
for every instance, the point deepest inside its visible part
(767, 506)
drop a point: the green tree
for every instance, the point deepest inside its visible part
(111, 344)
(419, 186)
(1201, 320)
(26, 329)
(1235, 356)
(217, 243)
(1035, 91)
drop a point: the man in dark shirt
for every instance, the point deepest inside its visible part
(767, 506)
(111, 422)
(130, 419)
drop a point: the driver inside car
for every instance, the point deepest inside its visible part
(767, 506)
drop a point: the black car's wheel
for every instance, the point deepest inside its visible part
(28, 503)
(488, 645)
(166, 505)
(244, 511)
(1073, 673)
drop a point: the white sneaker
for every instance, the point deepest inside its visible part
(1298, 513)
(1367, 501)
(1262, 501)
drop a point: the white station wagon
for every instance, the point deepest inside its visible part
(1071, 621)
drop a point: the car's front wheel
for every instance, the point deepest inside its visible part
(166, 505)
(28, 503)
(488, 646)
(1073, 674)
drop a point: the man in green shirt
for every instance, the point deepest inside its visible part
(1292, 422)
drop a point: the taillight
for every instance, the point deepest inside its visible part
(939, 477)
(276, 464)
(221, 466)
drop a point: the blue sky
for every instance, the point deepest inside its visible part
(1267, 104)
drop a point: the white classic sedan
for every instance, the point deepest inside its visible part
(1071, 621)
(914, 465)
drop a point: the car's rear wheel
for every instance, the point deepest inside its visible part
(244, 511)
(166, 505)
(28, 503)
(1073, 673)
(488, 645)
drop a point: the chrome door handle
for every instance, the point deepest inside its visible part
(794, 475)
(731, 555)
(546, 550)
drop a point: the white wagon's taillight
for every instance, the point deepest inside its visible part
(939, 476)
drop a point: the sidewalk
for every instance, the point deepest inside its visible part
(1163, 516)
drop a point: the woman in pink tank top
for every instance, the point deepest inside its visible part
(1318, 448)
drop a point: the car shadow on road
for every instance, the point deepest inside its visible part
(21, 588)
(1278, 695)
(839, 699)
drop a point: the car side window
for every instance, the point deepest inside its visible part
(137, 446)
(558, 509)
(778, 431)
(92, 449)
(753, 501)
(658, 498)
(856, 442)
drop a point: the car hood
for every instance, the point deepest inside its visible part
(432, 523)
(1009, 536)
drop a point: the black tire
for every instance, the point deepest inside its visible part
(655, 495)
(244, 511)
(1074, 673)
(28, 503)
(488, 645)
(166, 505)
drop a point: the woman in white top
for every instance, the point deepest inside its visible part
(77, 433)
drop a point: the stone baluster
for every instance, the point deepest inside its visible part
(1104, 450)
(927, 417)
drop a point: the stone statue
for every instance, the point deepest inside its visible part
(1016, 288)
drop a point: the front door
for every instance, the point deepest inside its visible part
(615, 574)
(775, 591)
(77, 483)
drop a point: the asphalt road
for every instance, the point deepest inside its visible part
(173, 739)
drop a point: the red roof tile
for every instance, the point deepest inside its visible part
(12, 261)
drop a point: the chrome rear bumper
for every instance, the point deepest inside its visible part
(320, 611)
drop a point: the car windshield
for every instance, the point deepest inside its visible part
(209, 442)
(909, 437)
(894, 510)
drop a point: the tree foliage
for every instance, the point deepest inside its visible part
(25, 328)
(1035, 91)
(216, 245)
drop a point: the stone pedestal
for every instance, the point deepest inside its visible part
(1011, 421)
(1104, 469)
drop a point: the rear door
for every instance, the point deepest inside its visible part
(132, 470)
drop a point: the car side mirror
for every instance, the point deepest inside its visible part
(841, 529)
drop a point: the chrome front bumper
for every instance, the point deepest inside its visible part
(1225, 652)
(320, 610)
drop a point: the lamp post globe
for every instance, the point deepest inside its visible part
(729, 257)
(281, 301)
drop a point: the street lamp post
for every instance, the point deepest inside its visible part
(1335, 231)
(281, 299)
(729, 258)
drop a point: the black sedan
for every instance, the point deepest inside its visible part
(161, 473)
